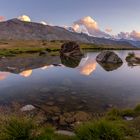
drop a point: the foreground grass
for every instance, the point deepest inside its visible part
(112, 126)
(24, 128)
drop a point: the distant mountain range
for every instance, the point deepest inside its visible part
(134, 43)
(15, 29)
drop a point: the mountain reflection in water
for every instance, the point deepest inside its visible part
(4, 75)
(26, 73)
(24, 66)
(87, 66)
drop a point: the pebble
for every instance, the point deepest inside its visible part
(27, 108)
(64, 132)
(56, 118)
(11, 68)
(84, 101)
(128, 118)
(50, 103)
(73, 93)
(61, 99)
(44, 90)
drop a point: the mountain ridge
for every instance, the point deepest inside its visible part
(16, 29)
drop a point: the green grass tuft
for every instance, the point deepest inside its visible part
(17, 129)
(100, 130)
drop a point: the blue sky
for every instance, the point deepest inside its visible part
(119, 15)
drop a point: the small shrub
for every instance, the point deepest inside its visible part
(17, 129)
(45, 137)
(137, 109)
(128, 112)
(46, 133)
(100, 130)
(48, 50)
(113, 114)
(136, 123)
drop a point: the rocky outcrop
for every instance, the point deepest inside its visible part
(70, 49)
(108, 57)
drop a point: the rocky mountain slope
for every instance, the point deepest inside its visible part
(15, 29)
(132, 42)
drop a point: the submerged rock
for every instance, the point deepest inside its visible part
(70, 49)
(51, 109)
(108, 57)
(44, 90)
(27, 108)
(73, 117)
(82, 116)
(50, 103)
(61, 99)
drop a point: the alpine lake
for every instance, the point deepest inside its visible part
(69, 84)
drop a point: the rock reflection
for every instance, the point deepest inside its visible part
(19, 64)
(70, 61)
(47, 67)
(84, 65)
(109, 66)
(133, 59)
(26, 73)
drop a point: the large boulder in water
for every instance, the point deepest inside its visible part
(132, 59)
(108, 57)
(70, 49)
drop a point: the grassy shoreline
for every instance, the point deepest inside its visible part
(12, 48)
(111, 126)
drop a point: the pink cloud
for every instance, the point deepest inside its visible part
(108, 30)
(134, 35)
(89, 25)
(2, 18)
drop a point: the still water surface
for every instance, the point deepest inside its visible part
(74, 85)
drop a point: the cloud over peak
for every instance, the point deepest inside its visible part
(24, 18)
(108, 30)
(89, 25)
(87, 22)
(134, 35)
